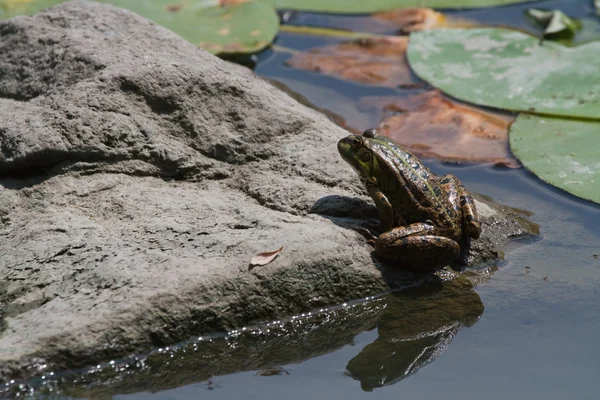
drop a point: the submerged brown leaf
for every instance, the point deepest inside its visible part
(433, 125)
(377, 61)
(265, 258)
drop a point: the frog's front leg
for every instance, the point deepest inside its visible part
(384, 207)
(417, 246)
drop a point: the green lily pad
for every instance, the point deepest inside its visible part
(243, 28)
(362, 6)
(562, 152)
(589, 31)
(507, 69)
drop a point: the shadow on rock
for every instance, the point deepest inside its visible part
(417, 326)
(347, 212)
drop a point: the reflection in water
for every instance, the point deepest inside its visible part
(416, 327)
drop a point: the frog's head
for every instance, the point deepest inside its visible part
(357, 151)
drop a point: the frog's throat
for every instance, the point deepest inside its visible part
(363, 176)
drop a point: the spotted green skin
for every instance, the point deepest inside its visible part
(426, 221)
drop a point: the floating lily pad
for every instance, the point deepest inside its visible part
(562, 152)
(589, 31)
(362, 6)
(241, 28)
(510, 70)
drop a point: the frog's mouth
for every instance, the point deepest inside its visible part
(344, 147)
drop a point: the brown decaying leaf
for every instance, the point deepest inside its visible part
(265, 258)
(408, 20)
(374, 61)
(433, 125)
(412, 19)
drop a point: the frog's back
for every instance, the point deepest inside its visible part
(412, 189)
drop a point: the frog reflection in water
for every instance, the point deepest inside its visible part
(425, 220)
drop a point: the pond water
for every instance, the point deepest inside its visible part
(530, 331)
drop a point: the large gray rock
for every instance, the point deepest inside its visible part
(139, 175)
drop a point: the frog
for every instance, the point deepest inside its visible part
(426, 221)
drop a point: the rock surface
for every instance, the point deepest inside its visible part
(139, 175)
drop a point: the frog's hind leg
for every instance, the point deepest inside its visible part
(416, 247)
(460, 196)
(471, 223)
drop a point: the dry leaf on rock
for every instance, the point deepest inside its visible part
(376, 61)
(433, 125)
(265, 258)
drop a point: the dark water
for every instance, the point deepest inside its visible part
(529, 332)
